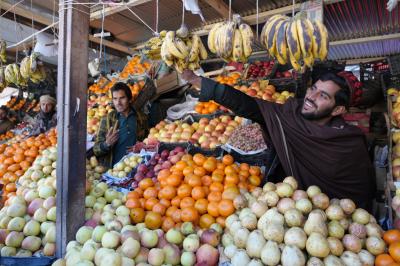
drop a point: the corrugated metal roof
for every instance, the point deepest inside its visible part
(360, 18)
(364, 50)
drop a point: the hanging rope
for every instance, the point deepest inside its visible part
(257, 12)
(157, 14)
(12, 7)
(102, 31)
(294, 2)
(33, 39)
(230, 10)
(183, 12)
(141, 20)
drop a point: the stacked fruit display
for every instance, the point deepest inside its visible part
(195, 189)
(164, 160)
(396, 156)
(207, 107)
(260, 69)
(100, 86)
(182, 51)
(266, 92)
(125, 166)
(6, 136)
(231, 41)
(138, 245)
(208, 134)
(395, 117)
(229, 79)
(27, 222)
(392, 239)
(295, 40)
(93, 169)
(16, 158)
(280, 224)
(134, 67)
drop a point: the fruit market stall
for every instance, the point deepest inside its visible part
(196, 190)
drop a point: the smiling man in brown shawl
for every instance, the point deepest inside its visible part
(312, 141)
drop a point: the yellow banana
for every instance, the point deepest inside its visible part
(181, 46)
(212, 36)
(293, 45)
(270, 26)
(194, 52)
(237, 52)
(171, 47)
(247, 37)
(320, 37)
(281, 45)
(305, 33)
(25, 68)
(272, 35)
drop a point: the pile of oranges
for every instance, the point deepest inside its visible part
(16, 158)
(206, 107)
(134, 67)
(136, 87)
(229, 79)
(196, 189)
(7, 135)
(392, 258)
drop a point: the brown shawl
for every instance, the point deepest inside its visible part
(333, 157)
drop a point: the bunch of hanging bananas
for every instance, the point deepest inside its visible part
(3, 55)
(295, 40)
(13, 75)
(31, 69)
(183, 53)
(231, 41)
(152, 47)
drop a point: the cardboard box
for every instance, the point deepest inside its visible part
(166, 83)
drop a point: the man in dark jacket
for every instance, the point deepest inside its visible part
(47, 117)
(121, 128)
(313, 143)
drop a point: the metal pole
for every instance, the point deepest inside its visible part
(71, 114)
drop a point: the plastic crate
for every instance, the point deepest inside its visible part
(217, 152)
(24, 261)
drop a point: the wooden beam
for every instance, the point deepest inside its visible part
(361, 60)
(220, 6)
(71, 126)
(115, 9)
(367, 39)
(113, 45)
(46, 19)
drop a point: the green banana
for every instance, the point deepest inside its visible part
(3, 55)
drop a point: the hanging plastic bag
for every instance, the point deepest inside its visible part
(178, 111)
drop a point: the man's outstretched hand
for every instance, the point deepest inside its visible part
(191, 77)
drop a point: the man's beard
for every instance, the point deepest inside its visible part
(318, 114)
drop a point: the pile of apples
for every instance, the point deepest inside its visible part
(93, 169)
(259, 69)
(207, 134)
(94, 116)
(138, 245)
(265, 92)
(125, 166)
(27, 222)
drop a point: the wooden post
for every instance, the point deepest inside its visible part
(71, 114)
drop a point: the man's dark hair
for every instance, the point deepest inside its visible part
(121, 86)
(342, 97)
(5, 109)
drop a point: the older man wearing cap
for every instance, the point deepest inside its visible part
(47, 117)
